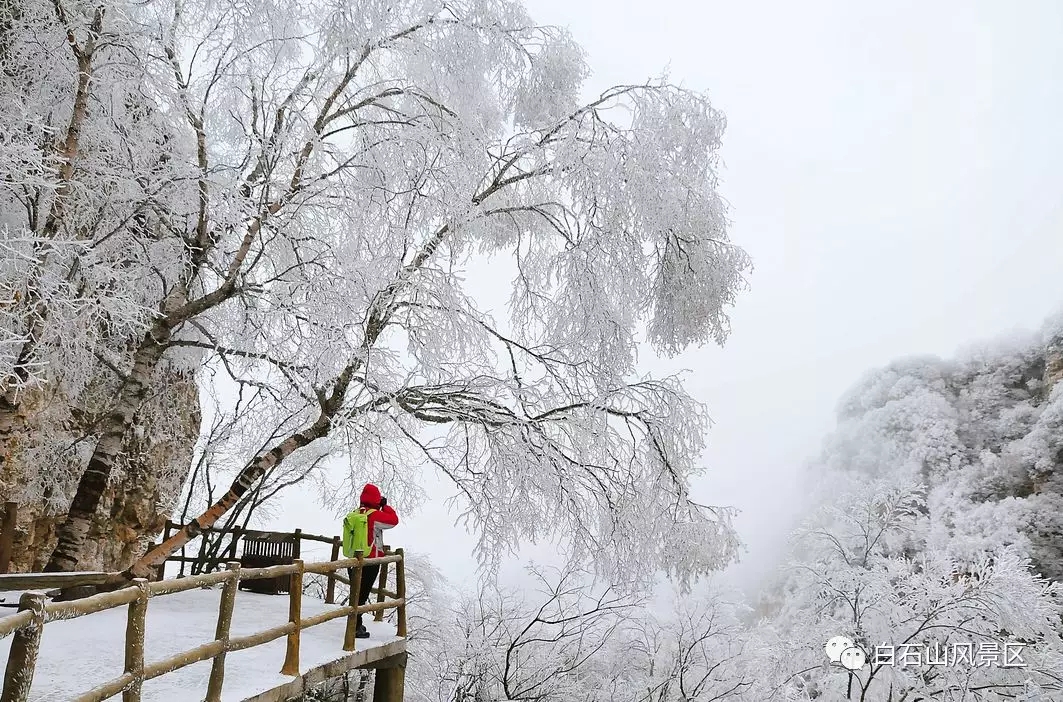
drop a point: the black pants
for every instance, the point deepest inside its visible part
(369, 576)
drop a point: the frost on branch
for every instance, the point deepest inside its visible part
(549, 641)
(877, 567)
(564, 636)
(81, 258)
(297, 193)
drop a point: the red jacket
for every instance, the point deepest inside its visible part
(379, 520)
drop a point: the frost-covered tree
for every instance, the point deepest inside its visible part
(89, 182)
(300, 199)
(983, 433)
(879, 564)
(85, 155)
(939, 525)
(699, 650)
(543, 642)
(566, 637)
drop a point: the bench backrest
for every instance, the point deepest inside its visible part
(266, 548)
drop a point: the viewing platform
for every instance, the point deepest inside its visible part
(200, 637)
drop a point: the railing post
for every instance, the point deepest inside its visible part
(136, 618)
(349, 635)
(232, 545)
(167, 527)
(381, 585)
(25, 643)
(221, 633)
(330, 591)
(7, 535)
(297, 543)
(157, 572)
(400, 593)
(390, 683)
(295, 607)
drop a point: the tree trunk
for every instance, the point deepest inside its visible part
(244, 481)
(264, 462)
(112, 430)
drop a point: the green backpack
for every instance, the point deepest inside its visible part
(356, 533)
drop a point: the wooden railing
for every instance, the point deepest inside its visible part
(229, 552)
(213, 558)
(35, 613)
(58, 581)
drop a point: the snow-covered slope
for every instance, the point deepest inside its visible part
(984, 432)
(938, 507)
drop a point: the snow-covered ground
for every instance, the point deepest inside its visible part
(82, 653)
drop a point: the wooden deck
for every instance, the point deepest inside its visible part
(79, 654)
(174, 640)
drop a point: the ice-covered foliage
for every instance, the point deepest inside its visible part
(85, 156)
(698, 650)
(546, 641)
(567, 637)
(919, 549)
(982, 432)
(878, 567)
(938, 526)
(298, 192)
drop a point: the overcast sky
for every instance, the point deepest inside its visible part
(894, 170)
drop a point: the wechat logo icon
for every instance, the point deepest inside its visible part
(842, 650)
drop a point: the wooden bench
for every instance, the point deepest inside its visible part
(262, 549)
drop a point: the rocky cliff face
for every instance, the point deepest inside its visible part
(42, 475)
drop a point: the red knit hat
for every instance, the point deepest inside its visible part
(370, 495)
